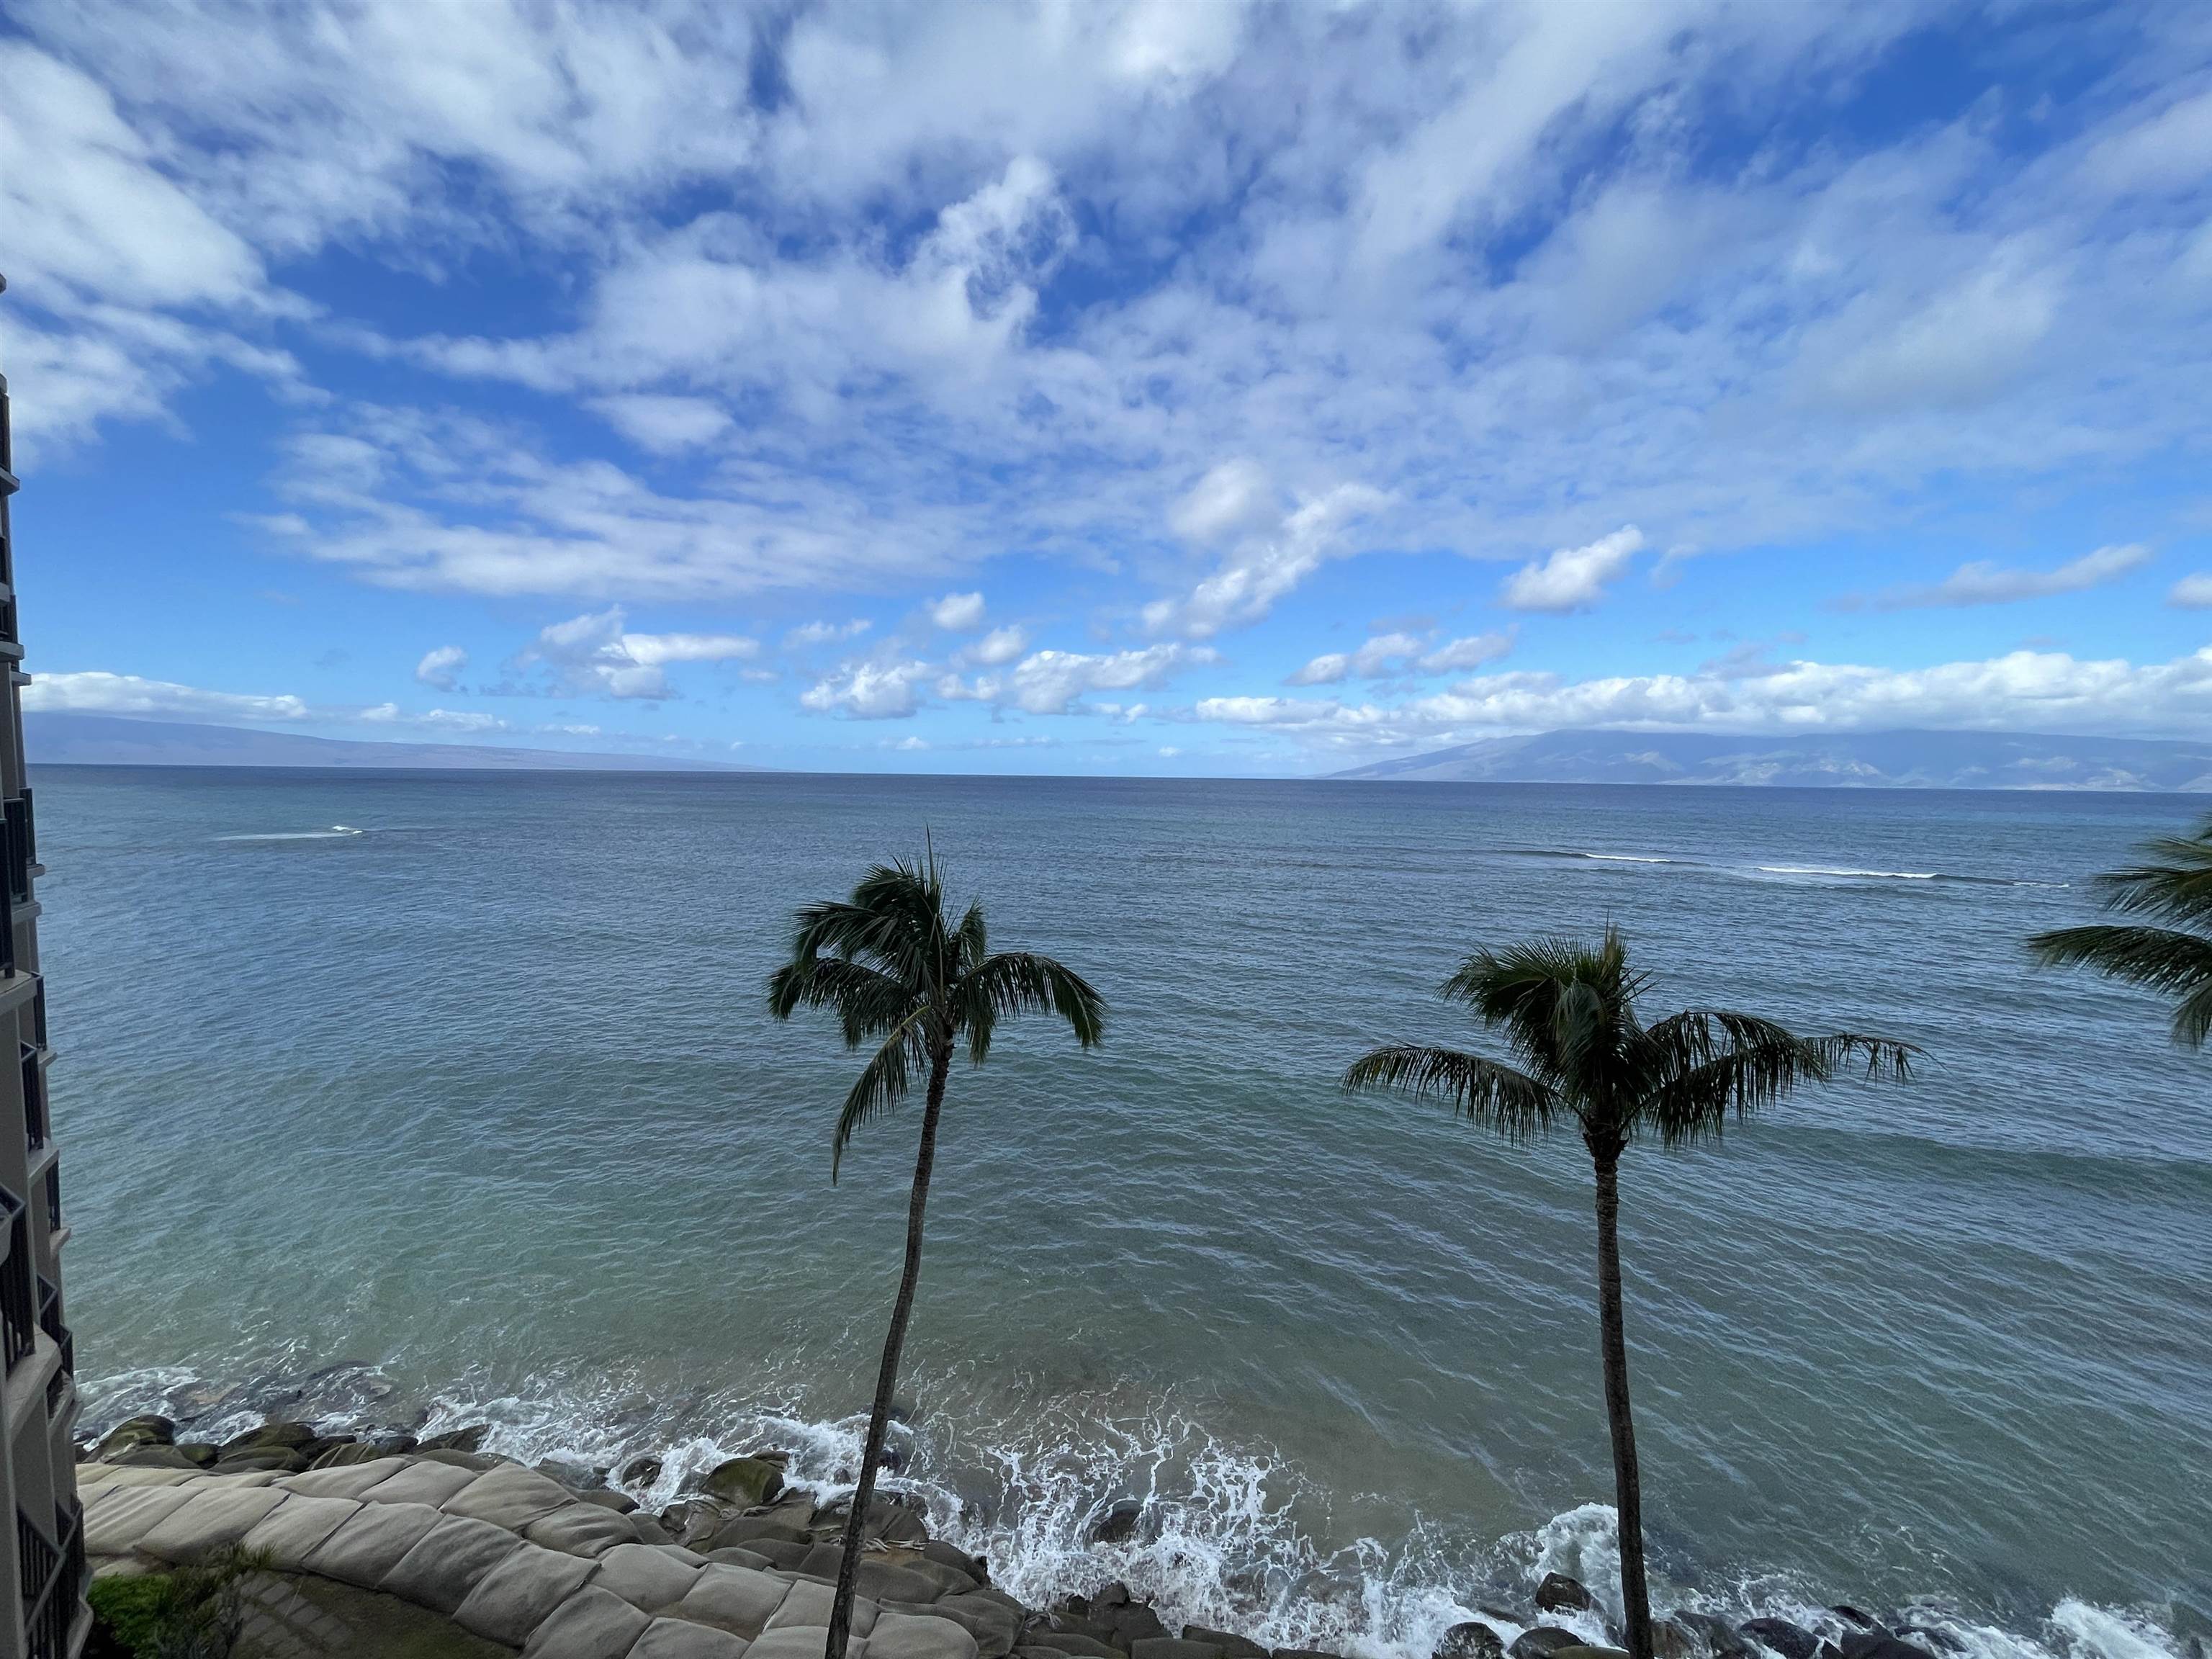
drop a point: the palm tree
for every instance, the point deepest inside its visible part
(2176, 959)
(1568, 1013)
(897, 972)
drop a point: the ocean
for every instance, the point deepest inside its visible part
(454, 1097)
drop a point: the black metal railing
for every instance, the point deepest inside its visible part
(54, 1196)
(6, 901)
(39, 1012)
(35, 1129)
(53, 1580)
(51, 1322)
(19, 1308)
(23, 846)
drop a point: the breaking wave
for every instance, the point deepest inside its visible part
(336, 832)
(1228, 1536)
(1813, 872)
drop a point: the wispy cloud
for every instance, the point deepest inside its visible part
(1985, 582)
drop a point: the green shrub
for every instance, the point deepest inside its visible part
(193, 1613)
(125, 1612)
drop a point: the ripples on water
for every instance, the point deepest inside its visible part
(469, 1078)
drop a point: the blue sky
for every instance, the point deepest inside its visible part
(1133, 388)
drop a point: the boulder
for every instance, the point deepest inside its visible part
(744, 1481)
(1236, 1647)
(354, 1451)
(1542, 1642)
(950, 1555)
(1591, 1652)
(471, 1439)
(1172, 1647)
(1560, 1594)
(134, 1431)
(785, 1556)
(1791, 1641)
(881, 1580)
(1857, 1620)
(1079, 1644)
(1881, 1644)
(291, 1436)
(199, 1452)
(620, 1502)
(901, 1636)
(1117, 1522)
(583, 1529)
(1721, 1638)
(280, 1460)
(509, 1496)
(1470, 1639)
(771, 1524)
(1304, 1653)
(1672, 1639)
(151, 1454)
(734, 1557)
(641, 1471)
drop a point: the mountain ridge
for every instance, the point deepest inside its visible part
(1901, 759)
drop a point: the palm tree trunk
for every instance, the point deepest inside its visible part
(1627, 1483)
(841, 1608)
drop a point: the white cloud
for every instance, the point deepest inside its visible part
(665, 425)
(826, 633)
(1572, 578)
(871, 692)
(440, 668)
(2022, 691)
(1984, 582)
(1000, 645)
(1235, 497)
(1456, 656)
(1050, 682)
(96, 692)
(1381, 654)
(595, 652)
(958, 613)
(2192, 592)
(1265, 566)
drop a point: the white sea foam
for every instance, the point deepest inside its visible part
(336, 832)
(1225, 1537)
(1831, 870)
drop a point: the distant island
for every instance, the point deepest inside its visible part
(61, 739)
(1861, 760)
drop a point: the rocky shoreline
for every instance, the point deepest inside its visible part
(743, 1512)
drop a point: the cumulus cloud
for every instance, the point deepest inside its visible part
(872, 690)
(1985, 582)
(1572, 578)
(1471, 651)
(1000, 645)
(596, 654)
(1374, 659)
(441, 668)
(958, 613)
(1265, 567)
(1050, 682)
(2192, 592)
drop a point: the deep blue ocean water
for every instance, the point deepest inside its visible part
(467, 1079)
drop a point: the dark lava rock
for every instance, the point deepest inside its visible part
(1117, 1523)
(1940, 1641)
(1857, 1620)
(641, 1471)
(1236, 1647)
(354, 1451)
(154, 1458)
(1719, 1636)
(1471, 1639)
(1671, 1639)
(1791, 1641)
(620, 1503)
(1134, 1622)
(469, 1440)
(1542, 1642)
(199, 1452)
(1115, 1594)
(1304, 1653)
(290, 1436)
(743, 1480)
(1882, 1645)
(1169, 1647)
(1560, 1594)
(134, 1431)
(1591, 1652)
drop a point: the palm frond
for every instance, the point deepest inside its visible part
(866, 1001)
(1522, 989)
(1715, 1066)
(1499, 1098)
(2158, 958)
(1015, 983)
(883, 1084)
(2175, 885)
(972, 939)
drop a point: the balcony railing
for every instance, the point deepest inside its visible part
(54, 1196)
(35, 1129)
(39, 1012)
(23, 846)
(19, 1309)
(51, 1321)
(6, 901)
(53, 1581)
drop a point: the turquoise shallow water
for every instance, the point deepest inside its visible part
(477, 1090)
